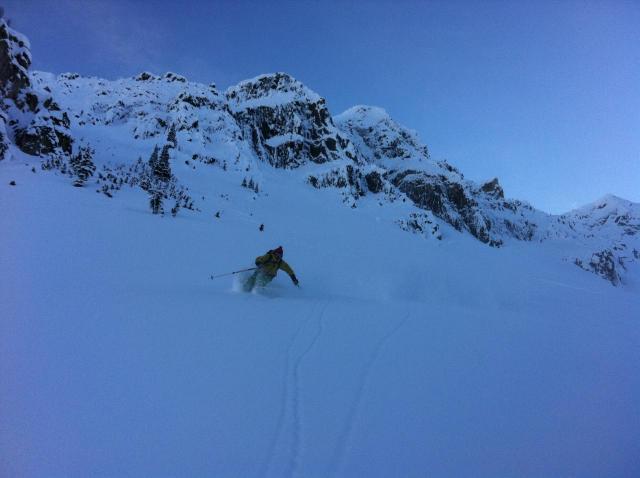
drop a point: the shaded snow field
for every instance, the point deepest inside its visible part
(398, 357)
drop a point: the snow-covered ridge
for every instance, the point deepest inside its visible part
(388, 147)
(381, 137)
(611, 228)
(277, 121)
(607, 206)
(124, 119)
(269, 90)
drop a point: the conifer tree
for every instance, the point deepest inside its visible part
(146, 172)
(172, 139)
(82, 165)
(162, 171)
(175, 209)
(155, 201)
(153, 159)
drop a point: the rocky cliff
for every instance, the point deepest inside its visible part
(31, 120)
(275, 121)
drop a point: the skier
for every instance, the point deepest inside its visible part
(268, 266)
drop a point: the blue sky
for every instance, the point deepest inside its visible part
(543, 95)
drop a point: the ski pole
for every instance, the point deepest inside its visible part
(231, 273)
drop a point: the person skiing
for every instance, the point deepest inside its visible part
(268, 266)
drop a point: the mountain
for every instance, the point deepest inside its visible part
(285, 122)
(275, 121)
(440, 328)
(610, 228)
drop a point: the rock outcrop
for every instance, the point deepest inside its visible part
(610, 230)
(285, 122)
(404, 165)
(378, 137)
(276, 120)
(31, 119)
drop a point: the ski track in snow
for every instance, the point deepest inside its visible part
(345, 438)
(568, 286)
(297, 420)
(285, 396)
(288, 384)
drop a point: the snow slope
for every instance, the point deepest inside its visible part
(274, 121)
(399, 356)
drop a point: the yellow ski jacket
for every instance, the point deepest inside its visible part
(270, 263)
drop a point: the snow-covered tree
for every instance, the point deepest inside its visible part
(172, 139)
(175, 209)
(153, 159)
(155, 201)
(162, 170)
(82, 165)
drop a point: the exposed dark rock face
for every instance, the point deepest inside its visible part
(146, 76)
(374, 182)
(4, 138)
(602, 263)
(170, 76)
(434, 186)
(466, 207)
(422, 190)
(47, 133)
(493, 188)
(421, 223)
(348, 178)
(15, 59)
(40, 141)
(37, 125)
(286, 123)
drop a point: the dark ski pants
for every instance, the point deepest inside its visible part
(257, 279)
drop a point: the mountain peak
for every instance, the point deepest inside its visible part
(611, 199)
(365, 115)
(269, 90)
(379, 136)
(607, 204)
